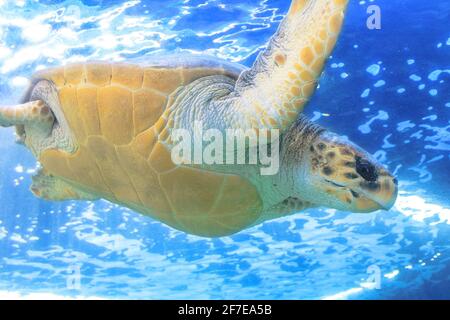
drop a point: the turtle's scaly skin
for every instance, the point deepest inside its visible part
(113, 111)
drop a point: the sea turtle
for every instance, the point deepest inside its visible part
(104, 130)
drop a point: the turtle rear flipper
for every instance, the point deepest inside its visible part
(286, 207)
(49, 187)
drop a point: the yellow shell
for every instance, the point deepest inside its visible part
(114, 113)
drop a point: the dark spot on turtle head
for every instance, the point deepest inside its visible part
(327, 170)
(346, 152)
(331, 154)
(349, 164)
(320, 157)
(348, 200)
(314, 161)
(354, 194)
(395, 181)
(351, 175)
(321, 146)
(312, 149)
(372, 186)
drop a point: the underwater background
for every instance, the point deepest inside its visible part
(387, 90)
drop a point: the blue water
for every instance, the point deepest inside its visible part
(387, 90)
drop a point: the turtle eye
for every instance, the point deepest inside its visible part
(366, 170)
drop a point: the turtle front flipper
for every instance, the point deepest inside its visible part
(272, 93)
(275, 90)
(49, 187)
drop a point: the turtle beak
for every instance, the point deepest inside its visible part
(377, 195)
(386, 194)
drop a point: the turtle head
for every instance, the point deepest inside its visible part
(333, 172)
(341, 175)
(39, 121)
